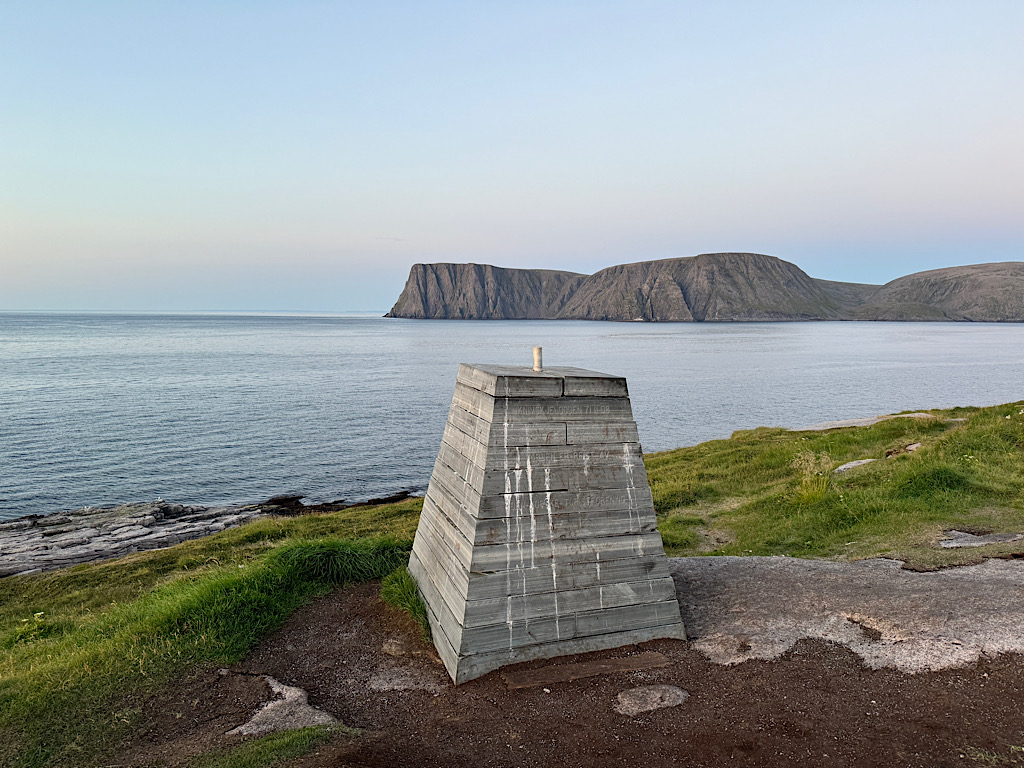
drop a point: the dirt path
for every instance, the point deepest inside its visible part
(817, 703)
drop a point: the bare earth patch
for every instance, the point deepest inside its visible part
(815, 663)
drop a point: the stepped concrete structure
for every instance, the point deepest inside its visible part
(538, 536)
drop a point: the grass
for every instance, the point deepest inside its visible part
(73, 594)
(271, 750)
(772, 492)
(87, 639)
(1014, 755)
(92, 640)
(398, 589)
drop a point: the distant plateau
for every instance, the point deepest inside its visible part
(711, 287)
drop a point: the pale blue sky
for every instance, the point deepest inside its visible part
(291, 155)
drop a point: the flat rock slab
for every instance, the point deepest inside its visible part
(46, 542)
(550, 674)
(647, 698)
(288, 711)
(824, 425)
(960, 539)
(851, 465)
(740, 608)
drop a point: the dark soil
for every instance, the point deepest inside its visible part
(193, 717)
(817, 705)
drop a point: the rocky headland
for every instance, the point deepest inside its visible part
(45, 542)
(712, 287)
(36, 543)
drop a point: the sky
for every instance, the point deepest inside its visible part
(303, 155)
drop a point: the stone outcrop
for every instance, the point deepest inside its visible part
(713, 287)
(46, 542)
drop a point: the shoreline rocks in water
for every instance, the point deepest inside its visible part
(38, 543)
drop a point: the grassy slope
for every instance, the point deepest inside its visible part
(748, 494)
(86, 639)
(75, 645)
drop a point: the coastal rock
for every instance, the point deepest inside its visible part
(43, 543)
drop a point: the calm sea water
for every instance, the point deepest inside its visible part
(100, 409)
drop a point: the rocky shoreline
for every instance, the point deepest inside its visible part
(37, 543)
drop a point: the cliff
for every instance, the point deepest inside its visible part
(483, 292)
(716, 286)
(710, 287)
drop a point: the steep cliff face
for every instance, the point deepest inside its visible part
(648, 290)
(483, 292)
(750, 286)
(710, 287)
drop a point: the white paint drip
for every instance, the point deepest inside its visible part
(521, 567)
(519, 511)
(558, 615)
(508, 539)
(533, 517)
(551, 536)
(634, 513)
(508, 580)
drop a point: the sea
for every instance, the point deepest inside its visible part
(99, 409)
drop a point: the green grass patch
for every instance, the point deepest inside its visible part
(399, 590)
(88, 639)
(772, 492)
(85, 590)
(1014, 755)
(680, 531)
(270, 751)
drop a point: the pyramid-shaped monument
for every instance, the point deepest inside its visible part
(538, 536)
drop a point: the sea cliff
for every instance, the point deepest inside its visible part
(713, 287)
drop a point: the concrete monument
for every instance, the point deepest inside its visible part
(538, 536)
